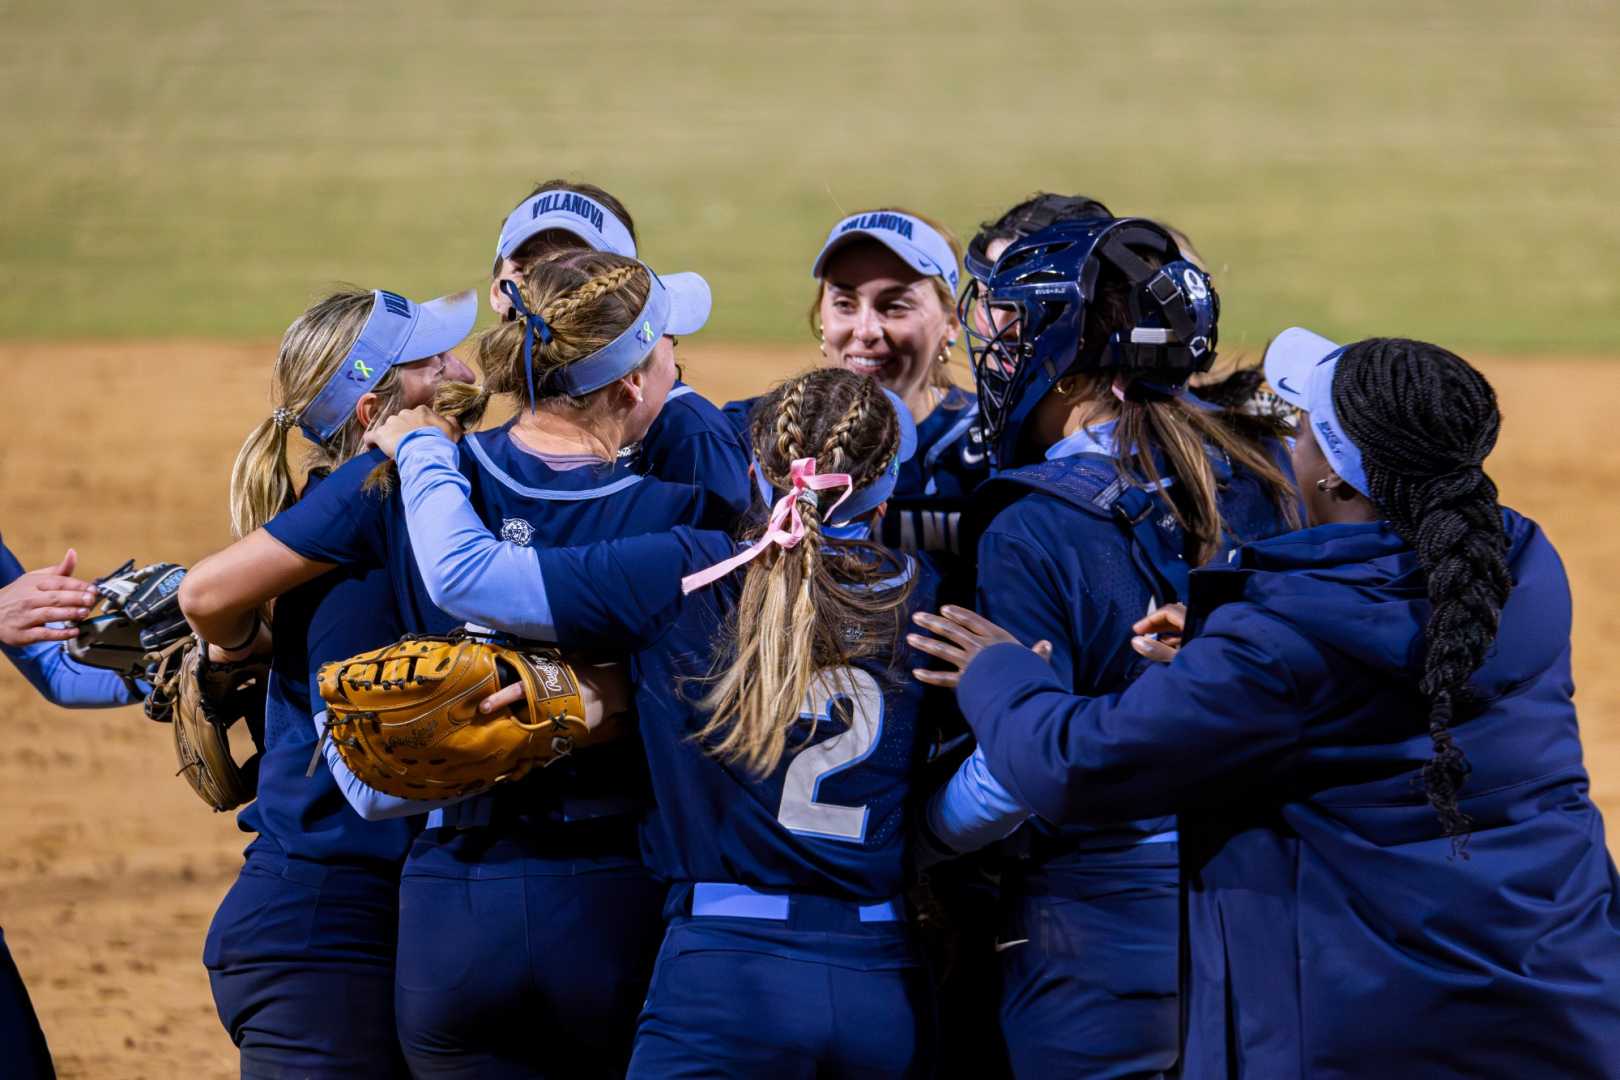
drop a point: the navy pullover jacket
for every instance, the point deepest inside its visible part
(1330, 929)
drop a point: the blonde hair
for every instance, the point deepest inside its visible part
(586, 298)
(312, 350)
(939, 374)
(798, 614)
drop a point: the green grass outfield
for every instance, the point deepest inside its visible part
(181, 168)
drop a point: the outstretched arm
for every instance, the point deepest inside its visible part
(468, 572)
(35, 608)
(1183, 734)
(614, 594)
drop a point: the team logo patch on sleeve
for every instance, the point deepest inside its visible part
(517, 531)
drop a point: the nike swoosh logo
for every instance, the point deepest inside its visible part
(1282, 384)
(1003, 946)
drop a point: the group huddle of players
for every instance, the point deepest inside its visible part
(1258, 757)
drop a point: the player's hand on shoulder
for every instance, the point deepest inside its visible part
(960, 635)
(44, 596)
(1158, 636)
(387, 435)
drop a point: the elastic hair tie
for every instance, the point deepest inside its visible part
(532, 324)
(282, 418)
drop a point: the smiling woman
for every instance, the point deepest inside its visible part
(885, 308)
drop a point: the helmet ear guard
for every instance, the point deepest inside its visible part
(1174, 307)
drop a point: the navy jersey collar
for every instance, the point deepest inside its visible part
(529, 476)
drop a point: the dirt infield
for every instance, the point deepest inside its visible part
(111, 868)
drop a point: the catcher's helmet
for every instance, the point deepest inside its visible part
(1025, 322)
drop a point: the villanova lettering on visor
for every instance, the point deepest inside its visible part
(891, 222)
(568, 202)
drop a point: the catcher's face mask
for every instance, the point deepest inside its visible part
(1025, 322)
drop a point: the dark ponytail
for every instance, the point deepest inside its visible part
(1425, 421)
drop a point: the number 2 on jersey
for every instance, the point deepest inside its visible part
(863, 704)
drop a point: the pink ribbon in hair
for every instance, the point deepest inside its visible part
(786, 527)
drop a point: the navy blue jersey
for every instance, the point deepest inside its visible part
(692, 442)
(834, 816)
(527, 503)
(1049, 570)
(926, 510)
(339, 614)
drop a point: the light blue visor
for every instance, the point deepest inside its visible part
(396, 332)
(918, 243)
(864, 500)
(1300, 367)
(678, 304)
(571, 212)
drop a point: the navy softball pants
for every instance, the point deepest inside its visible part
(531, 976)
(22, 1041)
(300, 956)
(1090, 966)
(819, 993)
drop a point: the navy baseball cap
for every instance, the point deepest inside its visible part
(921, 246)
(1300, 366)
(570, 211)
(397, 331)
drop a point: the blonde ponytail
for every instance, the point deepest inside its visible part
(314, 346)
(261, 483)
(797, 616)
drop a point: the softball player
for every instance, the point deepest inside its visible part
(690, 442)
(528, 923)
(29, 603)
(1394, 863)
(311, 917)
(782, 749)
(1111, 482)
(885, 307)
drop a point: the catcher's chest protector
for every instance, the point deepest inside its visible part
(1092, 483)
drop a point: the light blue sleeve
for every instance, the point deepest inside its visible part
(469, 573)
(973, 810)
(63, 681)
(367, 801)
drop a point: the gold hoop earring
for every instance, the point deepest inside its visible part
(945, 350)
(1064, 386)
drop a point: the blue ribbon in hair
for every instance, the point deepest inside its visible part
(533, 325)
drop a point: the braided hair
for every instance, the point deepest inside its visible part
(586, 298)
(796, 616)
(1425, 422)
